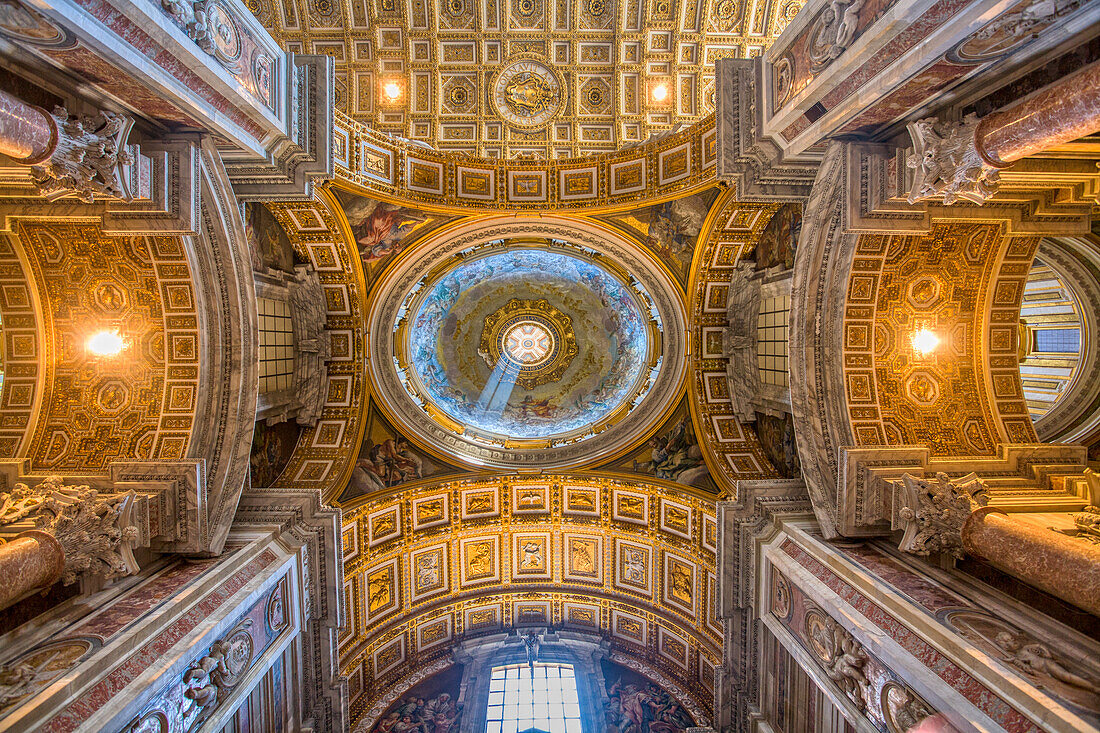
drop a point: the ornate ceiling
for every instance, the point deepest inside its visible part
(526, 342)
(631, 561)
(508, 78)
(615, 344)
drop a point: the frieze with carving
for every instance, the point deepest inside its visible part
(212, 677)
(876, 691)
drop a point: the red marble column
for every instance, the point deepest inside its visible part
(27, 133)
(1062, 111)
(34, 559)
(1061, 565)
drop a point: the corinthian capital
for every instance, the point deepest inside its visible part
(932, 512)
(90, 157)
(96, 532)
(947, 165)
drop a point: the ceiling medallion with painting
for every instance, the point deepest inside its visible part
(531, 338)
(527, 343)
(526, 93)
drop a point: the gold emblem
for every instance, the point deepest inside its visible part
(527, 93)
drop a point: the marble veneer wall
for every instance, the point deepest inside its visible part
(888, 640)
(225, 641)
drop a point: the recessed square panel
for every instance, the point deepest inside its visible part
(428, 571)
(531, 556)
(582, 557)
(480, 558)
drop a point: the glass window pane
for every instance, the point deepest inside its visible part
(542, 696)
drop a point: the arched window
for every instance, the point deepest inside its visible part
(1059, 363)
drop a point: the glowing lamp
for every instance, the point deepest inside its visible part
(925, 342)
(392, 90)
(106, 343)
(660, 92)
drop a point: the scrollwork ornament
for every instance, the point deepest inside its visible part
(90, 158)
(932, 512)
(946, 163)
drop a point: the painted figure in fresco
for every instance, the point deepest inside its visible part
(379, 228)
(673, 228)
(675, 456)
(632, 709)
(537, 408)
(386, 464)
(267, 242)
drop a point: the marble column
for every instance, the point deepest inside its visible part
(28, 134)
(1065, 567)
(1060, 112)
(85, 156)
(34, 559)
(961, 160)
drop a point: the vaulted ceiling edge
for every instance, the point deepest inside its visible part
(398, 170)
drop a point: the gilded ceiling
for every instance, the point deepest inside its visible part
(509, 78)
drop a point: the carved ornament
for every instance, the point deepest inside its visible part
(97, 533)
(946, 162)
(90, 158)
(932, 512)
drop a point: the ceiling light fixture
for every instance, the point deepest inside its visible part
(925, 342)
(660, 92)
(392, 90)
(106, 343)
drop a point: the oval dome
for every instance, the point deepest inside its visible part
(528, 343)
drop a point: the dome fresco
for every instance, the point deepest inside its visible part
(528, 343)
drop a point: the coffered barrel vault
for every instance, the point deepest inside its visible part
(630, 560)
(511, 78)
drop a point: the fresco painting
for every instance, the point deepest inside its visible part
(636, 705)
(457, 379)
(430, 706)
(672, 454)
(381, 229)
(776, 436)
(387, 459)
(671, 230)
(268, 242)
(779, 240)
(272, 446)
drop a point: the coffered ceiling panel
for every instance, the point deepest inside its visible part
(511, 78)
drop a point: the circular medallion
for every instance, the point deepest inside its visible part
(227, 39)
(530, 340)
(527, 343)
(527, 93)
